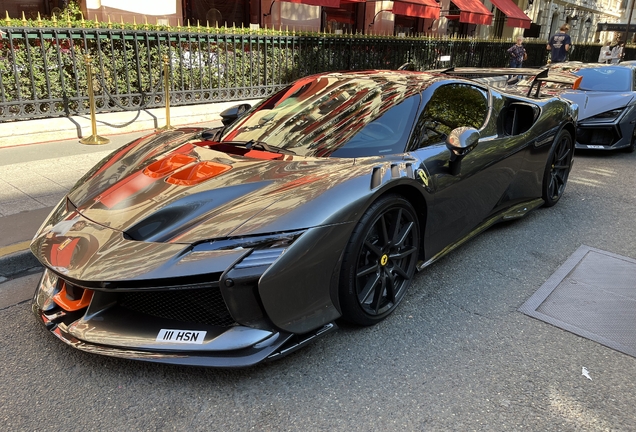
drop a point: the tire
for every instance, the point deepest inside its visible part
(379, 261)
(558, 168)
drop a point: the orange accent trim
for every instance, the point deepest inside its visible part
(167, 165)
(577, 83)
(198, 173)
(72, 305)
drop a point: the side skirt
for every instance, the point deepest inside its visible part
(514, 212)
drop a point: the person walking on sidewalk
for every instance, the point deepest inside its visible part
(559, 45)
(517, 53)
(606, 53)
(617, 53)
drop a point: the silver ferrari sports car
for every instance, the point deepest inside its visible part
(236, 245)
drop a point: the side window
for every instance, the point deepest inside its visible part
(449, 107)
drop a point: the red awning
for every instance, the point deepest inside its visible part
(516, 17)
(473, 12)
(327, 3)
(417, 8)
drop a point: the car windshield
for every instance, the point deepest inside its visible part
(340, 115)
(610, 79)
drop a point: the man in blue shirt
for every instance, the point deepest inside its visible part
(559, 45)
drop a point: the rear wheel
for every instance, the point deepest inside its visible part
(379, 261)
(558, 168)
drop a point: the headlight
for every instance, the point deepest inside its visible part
(265, 248)
(608, 115)
(265, 241)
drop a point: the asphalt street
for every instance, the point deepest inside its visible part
(456, 355)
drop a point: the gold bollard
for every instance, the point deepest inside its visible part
(94, 139)
(166, 85)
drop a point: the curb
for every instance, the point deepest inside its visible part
(17, 262)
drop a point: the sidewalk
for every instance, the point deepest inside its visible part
(35, 177)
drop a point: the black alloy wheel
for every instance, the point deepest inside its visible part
(380, 261)
(558, 168)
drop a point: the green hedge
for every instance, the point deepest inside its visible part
(43, 74)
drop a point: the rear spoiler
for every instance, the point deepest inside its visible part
(540, 75)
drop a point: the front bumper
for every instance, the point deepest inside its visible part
(605, 135)
(114, 325)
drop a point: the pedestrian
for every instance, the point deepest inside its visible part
(559, 45)
(606, 53)
(617, 53)
(517, 53)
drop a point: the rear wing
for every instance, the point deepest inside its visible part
(537, 76)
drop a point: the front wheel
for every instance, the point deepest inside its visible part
(379, 261)
(558, 168)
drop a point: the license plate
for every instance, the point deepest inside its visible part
(181, 336)
(595, 146)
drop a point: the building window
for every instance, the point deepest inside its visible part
(407, 25)
(340, 20)
(217, 12)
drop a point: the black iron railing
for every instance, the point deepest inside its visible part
(43, 74)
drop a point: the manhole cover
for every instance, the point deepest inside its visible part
(593, 294)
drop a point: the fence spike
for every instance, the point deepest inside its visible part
(178, 25)
(123, 26)
(69, 24)
(110, 24)
(146, 26)
(54, 19)
(24, 21)
(7, 19)
(207, 26)
(134, 23)
(157, 22)
(39, 20)
(198, 26)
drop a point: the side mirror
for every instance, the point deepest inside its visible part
(407, 67)
(460, 142)
(230, 115)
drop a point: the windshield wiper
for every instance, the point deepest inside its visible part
(260, 145)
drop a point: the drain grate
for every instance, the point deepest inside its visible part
(593, 295)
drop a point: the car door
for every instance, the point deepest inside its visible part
(462, 199)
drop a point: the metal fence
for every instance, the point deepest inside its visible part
(43, 74)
